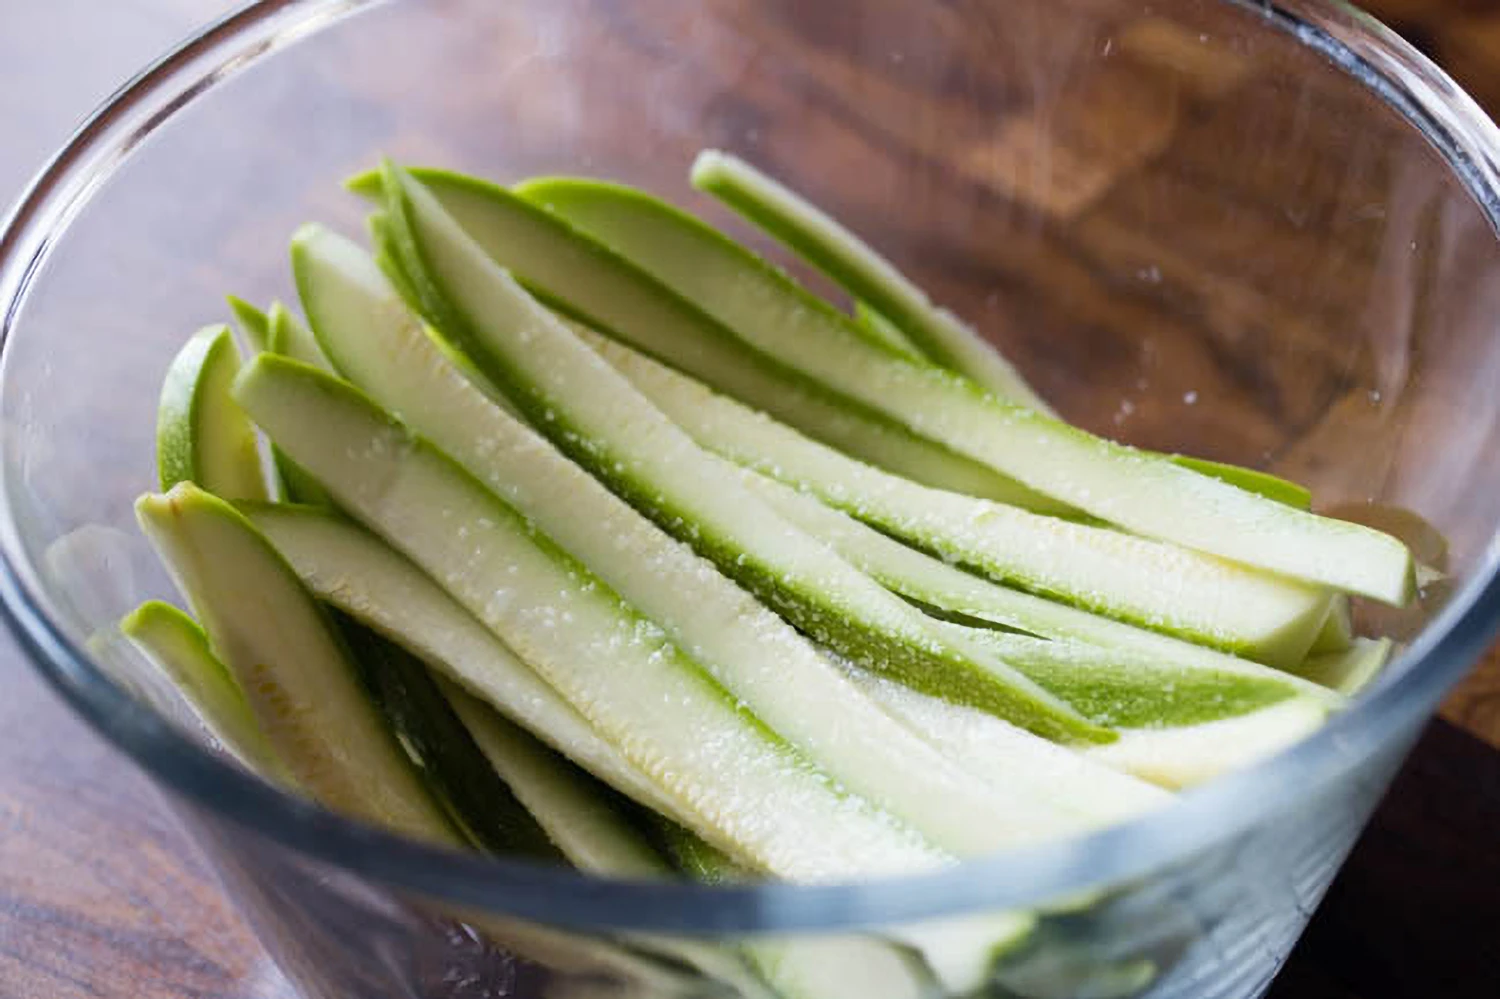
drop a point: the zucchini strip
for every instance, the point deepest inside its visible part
(1144, 582)
(742, 786)
(593, 414)
(775, 671)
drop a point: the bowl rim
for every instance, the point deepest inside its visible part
(1387, 66)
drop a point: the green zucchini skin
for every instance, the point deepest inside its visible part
(252, 321)
(201, 435)
(175, 642)
(291, 663)
(435, 739)
(855, 266)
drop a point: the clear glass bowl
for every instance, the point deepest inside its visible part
(1255, 232)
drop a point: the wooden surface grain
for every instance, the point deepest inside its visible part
(102, 896)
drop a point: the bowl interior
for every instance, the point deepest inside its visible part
(1191, 231)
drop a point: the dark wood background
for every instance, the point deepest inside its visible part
(101, 895)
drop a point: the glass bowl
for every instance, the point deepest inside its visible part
(1260, 233)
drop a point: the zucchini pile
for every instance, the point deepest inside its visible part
(564, 526)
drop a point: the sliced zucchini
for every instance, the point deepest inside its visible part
(873, 323)
(567, 269)
(1337, 633)
(1144, 493)
(597, 207)
(201, 435)
(253, 323)
(587, 824)
(594, 415)
(730, 284)
(353, 570)
(478, 801)
(173, 641)
(719, 764)
(297, 486)
(1272, 487)
(1011, 757)
(302, 688)
(1127, 689)
(1351, 670)
(380, 238)
(818, 238)
(839, 967)
(1195, 754)
(1172, 758)
(943, 589)
(847, 966)
(289, 337)
(1082, 979)
(942, 336)
(285, 335)
(576, 811)
(291, 664)
(776, 672)
(1147, 583)
(585, 966)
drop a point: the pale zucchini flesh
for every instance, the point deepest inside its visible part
(585, 966)
(352, 569)
(743, 787)
(290, 663)
(595, 285)
(176, 643)
(1125, 689)
(256, 325)
(287, 336)
(593, 414)
(839, 967)
(1145, 582)
(1350, 670)
(944, 589)
(1092, 793)
(1144, 493)
(1145, 762)
(587, 824)
(301, 687)
(1272, 487)
(201, 436)
(1179, 758)
(776, 672)
(290, 337)
(1337, 633)
(959, 953)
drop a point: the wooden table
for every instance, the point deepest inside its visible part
(101, 895)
